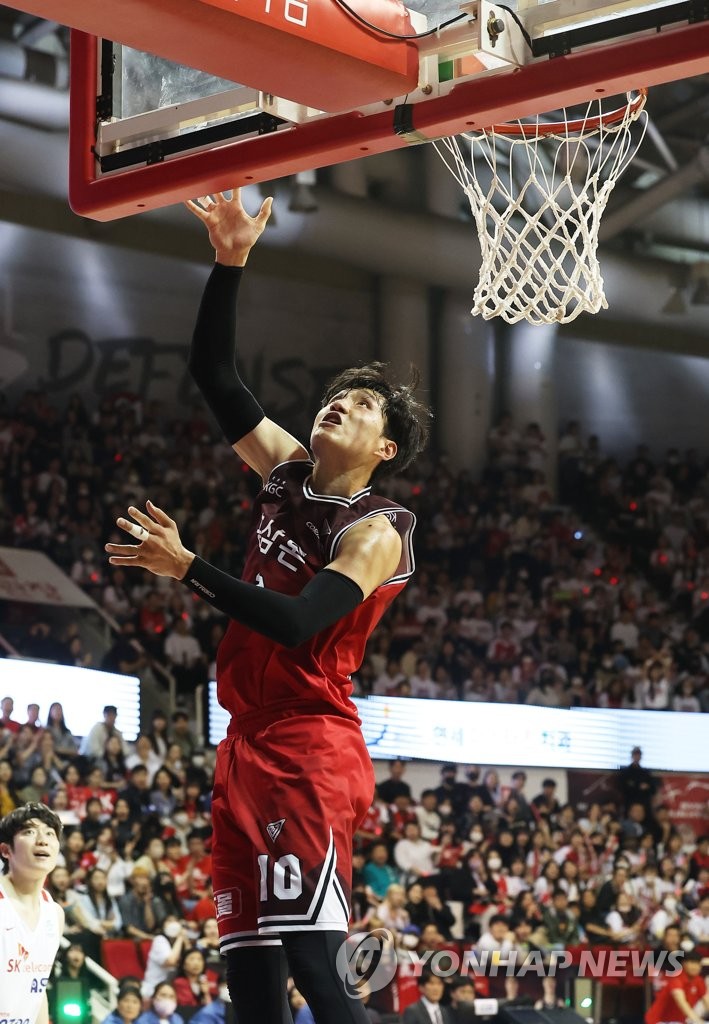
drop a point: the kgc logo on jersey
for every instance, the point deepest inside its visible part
(275, 487)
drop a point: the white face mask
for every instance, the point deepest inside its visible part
(198, 760)
(224, 994)
(476, 837)
(494, 864)
(172, 929)
(165, 1006)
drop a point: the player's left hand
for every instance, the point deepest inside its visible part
(160, 549)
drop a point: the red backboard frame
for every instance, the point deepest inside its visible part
(677, 52)
(311, 51)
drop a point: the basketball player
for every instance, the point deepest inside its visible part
(325, 559)
(31, 923)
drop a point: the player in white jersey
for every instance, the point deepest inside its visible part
(31, 923)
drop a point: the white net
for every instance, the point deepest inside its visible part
(537, 192)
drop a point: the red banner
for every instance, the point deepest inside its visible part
(686, 796)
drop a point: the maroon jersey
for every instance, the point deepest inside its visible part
(294, 534)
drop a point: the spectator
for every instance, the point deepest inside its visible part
(99, 908)
(624, 920)
(560, 923)
(392, 910)
(214, 1012)
(194, 985)
(208, 942)
(698, 922)
(196, 867)
(137, 793)
(182, 735)
(143, 913)
(71, 966)
(378, 873)
(185, 657)
(497, 938)
(144, 755)
(128, 1008)
(64, 743)
(428, 1009)
(433, 910)
(33, 716)
(157, 734)
(59, 888)
(165, 953)
(545, 805)
(653, 691)
(7, 706)
(636, 784)
(126, 655)
(394, 786)
(302, 1013)
(452, 792)
(163, 1006)
(414, 855)
(422, 682)
(153, 859)
(93, 744)
(462, 996)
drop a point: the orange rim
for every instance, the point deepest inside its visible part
(517, 129)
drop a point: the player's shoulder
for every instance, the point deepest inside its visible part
(289, 476)
(293, 469)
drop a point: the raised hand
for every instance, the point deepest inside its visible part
(232, 231)
(160, 549)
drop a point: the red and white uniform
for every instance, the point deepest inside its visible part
(26, 958)
(293, 777)
(665, 1010)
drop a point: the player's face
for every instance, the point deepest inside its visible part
(353, 422)
(34, 850)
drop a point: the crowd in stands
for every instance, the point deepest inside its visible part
(593, 593)
(472, 864)
(597, 597)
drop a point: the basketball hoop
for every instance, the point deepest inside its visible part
(539, 213)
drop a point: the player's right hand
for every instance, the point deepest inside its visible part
(232, 231)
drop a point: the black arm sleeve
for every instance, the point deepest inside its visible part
(290, 621)
(212, 358)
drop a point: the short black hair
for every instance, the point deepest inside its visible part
(16, 820)
(405, 418)
(129, 990)
(692, 955)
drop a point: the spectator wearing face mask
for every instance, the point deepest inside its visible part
(163, 1007)
(164, 955)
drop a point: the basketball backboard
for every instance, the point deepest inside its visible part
(289, 85)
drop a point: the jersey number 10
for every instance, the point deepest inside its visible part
(286, 882)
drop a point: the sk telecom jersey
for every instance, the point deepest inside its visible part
(26, 958)
(294, 534)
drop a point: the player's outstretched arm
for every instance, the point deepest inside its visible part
(260, 442)
(330, 595)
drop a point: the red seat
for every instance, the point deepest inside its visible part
(144, 947)
(121, 958)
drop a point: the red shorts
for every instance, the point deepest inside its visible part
(285, 807)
